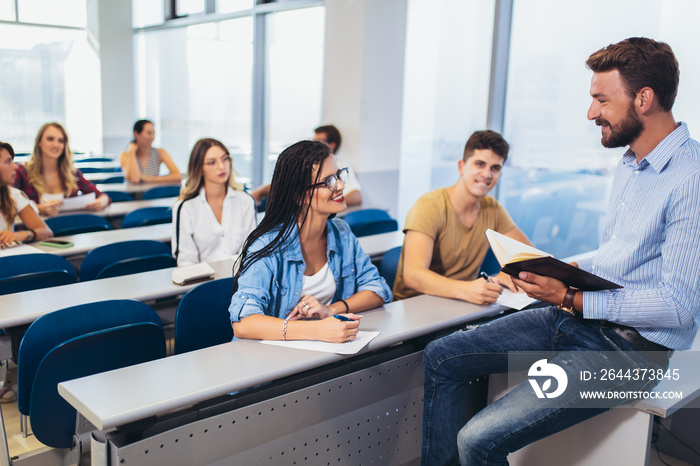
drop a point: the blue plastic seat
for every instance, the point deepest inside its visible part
(137, 265)
(51, 330)
(100, 169)
(52, 417)
(93, 159)
(34, 271)
(113, 179)
(119, 196)
(389, 264)
(490, 265)
(77, 223)
(161, 192)
(147, 216)
(202, 317)
(101, 257)
(367, 222)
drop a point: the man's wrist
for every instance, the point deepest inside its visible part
(567, 303)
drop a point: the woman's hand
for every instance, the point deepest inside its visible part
(339, 331)
(98, 204)
(309, 307)
(8, 238)
(49, 208)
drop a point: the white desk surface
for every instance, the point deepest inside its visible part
(97, 177)
(103, 165)
(120, 209)
(132, 188)
(377, 245)
(85, 242)
(129, 394)
(24, 308)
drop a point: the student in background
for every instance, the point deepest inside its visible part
(300, 264)
(214, 215)
(14, 202)
(141, 161)
(445, 242)
(49, 176)
(331, 136)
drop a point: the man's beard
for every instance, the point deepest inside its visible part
(625, 132)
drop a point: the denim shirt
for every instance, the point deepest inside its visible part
(273, 284)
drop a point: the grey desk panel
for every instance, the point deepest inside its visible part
(85, 242)
(135, 189)
(120, 209)
(24, 308)
(376, 246)
(133, 393)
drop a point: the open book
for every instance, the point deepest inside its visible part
(192, 273)
(515, 257)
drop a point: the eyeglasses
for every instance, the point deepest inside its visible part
(224, 160)
(332, 181)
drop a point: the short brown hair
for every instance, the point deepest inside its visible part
(332, 135)
(641, 62)
(486, 139)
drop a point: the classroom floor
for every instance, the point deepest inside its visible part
(18, 445)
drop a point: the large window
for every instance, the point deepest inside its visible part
(558, 176)
(446, 87)
(49, 74)
(199, 80)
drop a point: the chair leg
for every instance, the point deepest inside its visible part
(23, 425)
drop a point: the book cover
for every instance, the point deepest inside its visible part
(515, 257)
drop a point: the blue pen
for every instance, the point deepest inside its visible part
(343, 318)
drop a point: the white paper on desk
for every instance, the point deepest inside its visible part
(349, 347)
(77, 202)
(21, 249)
(514, 300)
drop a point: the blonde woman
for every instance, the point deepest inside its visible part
(214, 215)
(49, 176)
(141, 161)
(14, 202)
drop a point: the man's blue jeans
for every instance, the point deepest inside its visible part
(519, 418)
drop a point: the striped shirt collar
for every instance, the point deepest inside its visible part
(659, 157)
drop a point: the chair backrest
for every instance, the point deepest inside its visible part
(137, 265)
(147, 216)
(52, 418)
(77, 223)
(21, 264)
(361, 216)
(93, 159)
(36, 281)
(101, 257)
(162, 191)
(119, 196)
(56, 327)
(376, 227)
(113, 179)
(202, 317)
(389, 264)
(100, 169)
(490, 265)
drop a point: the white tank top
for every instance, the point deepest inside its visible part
(320, 285)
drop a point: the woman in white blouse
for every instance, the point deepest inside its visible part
(14, 202)
(214, 215)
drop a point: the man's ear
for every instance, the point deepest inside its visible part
(644, 100)
(461, 165)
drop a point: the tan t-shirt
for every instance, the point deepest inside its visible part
(458, 251)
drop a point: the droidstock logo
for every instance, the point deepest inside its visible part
(546, 372)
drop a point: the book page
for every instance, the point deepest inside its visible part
(514, 300)
(20, 249)
(77, 202)
(349, 347)
(507, 249)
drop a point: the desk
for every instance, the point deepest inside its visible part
(97, 177)
(24, 308)
(135, 189)
(372, 399)
(116, 211)
(376, 245)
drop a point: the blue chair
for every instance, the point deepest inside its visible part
(93, 159)
(161, 192)
(51, 330)
(52, 418)
(77, 223)
(389, 264)
(147, 216)
(202, 317)
(100, 169)
(33, 272)
(490, 265)
(119, 196)
(113, 179)
(137, 265)
(101, 257)
(367, 222)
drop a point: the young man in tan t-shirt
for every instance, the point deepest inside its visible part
(445, 242)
